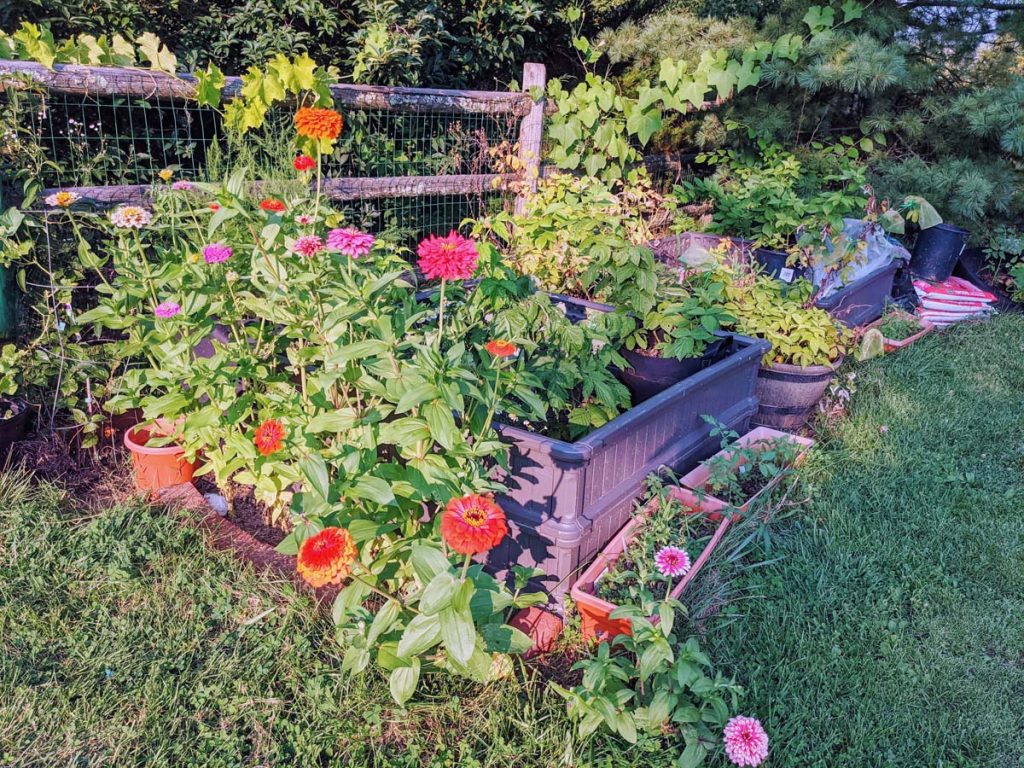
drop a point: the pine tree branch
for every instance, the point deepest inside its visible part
(982, 5)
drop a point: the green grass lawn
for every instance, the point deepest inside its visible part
(888, 631)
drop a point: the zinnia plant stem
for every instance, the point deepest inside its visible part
(465, 567)
(316, 205)
(440, 317)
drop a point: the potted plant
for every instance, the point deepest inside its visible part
(677, 337)
(662, 548)
(158, 460)
(14, 412)
(807, 346)
(900, 329)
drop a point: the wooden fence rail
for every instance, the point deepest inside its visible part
(146, 84)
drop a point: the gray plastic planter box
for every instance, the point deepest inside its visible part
(862, 300)
(566, 500)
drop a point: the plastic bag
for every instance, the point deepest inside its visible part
(876, 250)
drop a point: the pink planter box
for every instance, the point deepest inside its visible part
(595, 613)
(697, 478)
(892, 345)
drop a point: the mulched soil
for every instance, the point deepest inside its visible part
(246, 512)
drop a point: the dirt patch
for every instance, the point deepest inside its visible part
(246, 511)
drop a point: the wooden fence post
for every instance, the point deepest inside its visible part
(531, 132)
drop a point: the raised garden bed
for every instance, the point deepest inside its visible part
(758, 439)
(567, 499)
(595, 612)
(862, 300)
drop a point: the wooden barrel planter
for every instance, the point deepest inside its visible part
(788, 394)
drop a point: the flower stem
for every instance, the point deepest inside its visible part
(465, 567)
(440, 317)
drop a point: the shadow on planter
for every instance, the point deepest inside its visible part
(13, 427)
(788, 394)
(566, 500)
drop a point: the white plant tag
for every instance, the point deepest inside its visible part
(786, 275)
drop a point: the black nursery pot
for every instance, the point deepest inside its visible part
(937, 250)
(647, 376)
(12, 429)
(773, 263)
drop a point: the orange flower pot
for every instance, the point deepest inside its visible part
(892, 345)
(697, 478)
(595, 613)
(157, 467)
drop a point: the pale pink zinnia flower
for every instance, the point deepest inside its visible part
(672, 561)
(449, 258)
(304, 219)
(130, 217)
(746, 743)
(62, 199)
(308, 245)
(182, 186)
(350, 241)
(215, 253)
(167, 309)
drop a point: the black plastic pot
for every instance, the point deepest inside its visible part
(12, 429)
(647, 376)
(937, 250)
(862, 300)
(773, 264)
(970, 266)
(788, 394)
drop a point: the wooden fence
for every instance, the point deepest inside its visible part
(143, 84)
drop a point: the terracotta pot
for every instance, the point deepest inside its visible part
(157, 468)
(697, 478)
(788, 394)
(595, 613)
(891, 345)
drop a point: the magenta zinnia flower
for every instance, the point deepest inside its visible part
(167, 309)
(350, 241)
(305, 219)
(746, 743)
(215, 253)
(449, 258)
(182, 186)
(308, 245)
(672, 561)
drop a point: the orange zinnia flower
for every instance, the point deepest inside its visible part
(269, 436)
(272, 205)
(318, 123)
(473, 524)
(326, 557)
(501, 348)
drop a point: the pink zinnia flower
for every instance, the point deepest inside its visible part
(308, 245)
(672, 561)
(448, 258)
(182, 186)
(746, 743)
(350, 241)
(167, 309)
(215, 253)
(304, 219)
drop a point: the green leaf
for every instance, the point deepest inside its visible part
(421, 634)
(383, 621)
(157, 54)
(693, 756)
(428, 561)
(373, 489)
(441, 421)
(209, 83)
(852, 10)
(458, 633)
(314, 469)
(438, 593)
(332, 421)
(403, 681)
(501, 638)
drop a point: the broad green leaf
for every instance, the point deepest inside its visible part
(438, 594)
(156, 53)
(314, 469)
(421, 634)
(458, 634)
(383, 621)
(428, 561)
(403, 680)
(372, 489)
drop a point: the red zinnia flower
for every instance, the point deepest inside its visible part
(501, 348)
(326, 557)
(214, 207)
(304, 163)
(272, 205)
(269, 436)
(449, 258)
(473, 524)
(318, 123)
